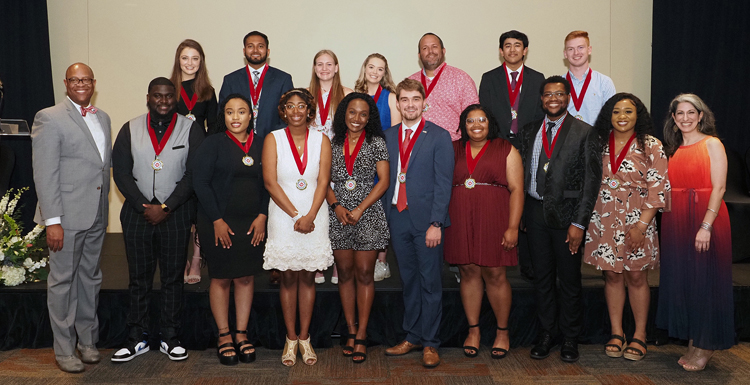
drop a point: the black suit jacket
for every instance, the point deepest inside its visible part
(275, 84)
(574, 174)
(493, 95)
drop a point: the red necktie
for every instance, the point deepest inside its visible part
(401, 201)
(91, 109)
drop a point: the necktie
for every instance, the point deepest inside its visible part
(541, 175)
(256, 77)
(514, 106)
(91, 109)
(401, 201)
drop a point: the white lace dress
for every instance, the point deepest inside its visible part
(287, 249)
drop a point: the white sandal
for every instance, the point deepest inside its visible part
(290, 352)
(307, 351)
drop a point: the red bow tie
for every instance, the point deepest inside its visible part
(90, 109)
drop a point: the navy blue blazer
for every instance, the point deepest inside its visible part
(275, 84)
(428, 178)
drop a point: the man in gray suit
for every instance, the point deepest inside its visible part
(71, 151)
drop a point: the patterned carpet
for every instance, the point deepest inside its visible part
(37, 366)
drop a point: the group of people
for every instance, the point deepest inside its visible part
(297, 179)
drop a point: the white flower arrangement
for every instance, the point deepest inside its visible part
(22, 258)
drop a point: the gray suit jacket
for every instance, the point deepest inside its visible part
(69, 173)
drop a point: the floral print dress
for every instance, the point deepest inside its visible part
(640, 183)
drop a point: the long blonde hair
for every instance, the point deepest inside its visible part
(386, 82)
(337, 91)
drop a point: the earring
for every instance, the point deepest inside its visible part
(675, 129)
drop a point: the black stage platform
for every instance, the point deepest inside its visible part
(24, 322)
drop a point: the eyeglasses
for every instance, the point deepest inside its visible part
(291, 107)
(557, 95)
(75, 81)
(480, 119)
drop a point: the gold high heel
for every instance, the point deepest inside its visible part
(307, 351)
(290, 352)
(699, 360)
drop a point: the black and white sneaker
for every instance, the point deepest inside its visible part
(174, 350)
(131, 350)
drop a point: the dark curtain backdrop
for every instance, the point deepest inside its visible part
(26, 71)
(701, 47)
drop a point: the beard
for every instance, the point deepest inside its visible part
(432, 63)
(256, 62)
(155, 115)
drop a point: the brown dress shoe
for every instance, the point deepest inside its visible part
(430, 357)
(402, 348)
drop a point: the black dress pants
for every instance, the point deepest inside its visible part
(558, 309)
(145, 246)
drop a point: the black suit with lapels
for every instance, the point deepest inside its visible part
(571, 188)
(493, 95)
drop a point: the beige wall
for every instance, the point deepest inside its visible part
(129, 42)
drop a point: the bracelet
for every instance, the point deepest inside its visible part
(643, 223)
(710, 209)
(296, 217)
(706, 226)
(360, 209)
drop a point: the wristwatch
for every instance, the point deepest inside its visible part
(165, 208)
(437, 224)
(334, 205)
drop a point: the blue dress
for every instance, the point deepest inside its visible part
(384, 109)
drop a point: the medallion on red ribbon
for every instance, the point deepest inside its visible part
(247, 160)
(349, 160)
(323, 108)
(615, 162)
(471, 163)
(301, 163)
(578, 99)
(157, 164)
(428, 90)
(255, 92)
(189, 103)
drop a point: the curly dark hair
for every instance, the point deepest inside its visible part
(372, 128)
(673, 135)
(221, 124)
(494, 128)
(306, 97)
(643, 124)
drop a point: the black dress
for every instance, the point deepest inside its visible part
(205, 112)
(234, 192)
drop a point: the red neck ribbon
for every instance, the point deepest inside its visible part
(189, 102)
(614, 163)
(512, 95)
(255, 93)
(547, 147)
(377, 93)
(158, 146)
(471, 162)
(578, 100)
(301, 163)
(248, 143)
(323, 108)
(350, 159)
(428, 90)
(405, 153)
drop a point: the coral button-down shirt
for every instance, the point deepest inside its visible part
(454, 92)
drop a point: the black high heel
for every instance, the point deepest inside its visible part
(475, 349)
(499, 353)
(348, 348)
(222, 349)
(243, 346)
(356, 355)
